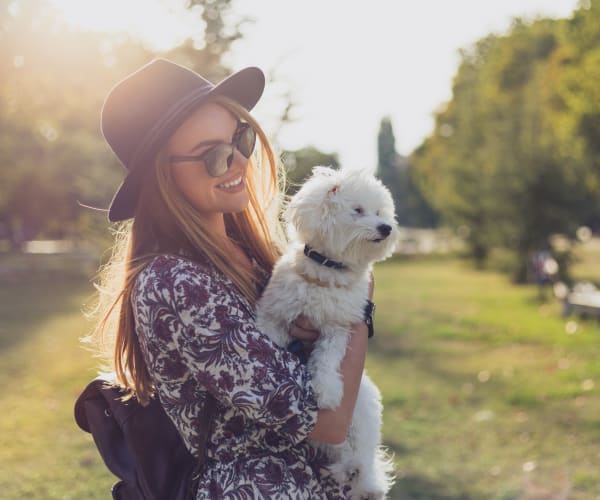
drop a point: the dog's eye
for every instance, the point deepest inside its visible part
(359, 210)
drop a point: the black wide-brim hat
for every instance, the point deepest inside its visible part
(143, 110)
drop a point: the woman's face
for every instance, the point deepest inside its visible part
(208, 126)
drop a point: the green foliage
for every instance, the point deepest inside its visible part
(514, 155)
(219, 31)
(52, 153)
(299, 164)
(412, 209)
(54, 81)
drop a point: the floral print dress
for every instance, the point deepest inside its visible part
(198, 335)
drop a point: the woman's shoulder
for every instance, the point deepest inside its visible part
(167, 263)
(170, 271)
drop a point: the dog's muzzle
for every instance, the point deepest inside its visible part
(384, 230)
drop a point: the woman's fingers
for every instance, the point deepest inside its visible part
(304, 323)
(302, 333)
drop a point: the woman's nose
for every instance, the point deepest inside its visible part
(239, 159)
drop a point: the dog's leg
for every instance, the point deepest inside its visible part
(276, 328)
(277, 308)
(364, 452)
(324, 365)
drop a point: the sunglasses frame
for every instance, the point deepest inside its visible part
(214, 167)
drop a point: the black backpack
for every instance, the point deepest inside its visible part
(140, 445)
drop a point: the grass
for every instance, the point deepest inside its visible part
(43, 453)
(486, 395)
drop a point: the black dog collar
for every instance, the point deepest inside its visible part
(321, 259)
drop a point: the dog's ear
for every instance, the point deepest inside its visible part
(300, 217)
(309, 209)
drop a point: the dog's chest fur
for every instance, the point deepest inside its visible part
(342, 303)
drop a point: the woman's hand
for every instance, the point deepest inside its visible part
(304, 331)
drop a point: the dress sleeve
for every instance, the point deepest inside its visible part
(218, 341)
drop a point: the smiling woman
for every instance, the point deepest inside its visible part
(177, 300)
(212, 183)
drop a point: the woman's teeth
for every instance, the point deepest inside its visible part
(231, 184)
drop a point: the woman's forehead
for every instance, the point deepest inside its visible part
(209, 122)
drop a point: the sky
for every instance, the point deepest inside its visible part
(346, 64)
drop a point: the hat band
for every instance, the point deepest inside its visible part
(150, 143)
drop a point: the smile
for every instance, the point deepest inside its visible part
(231, 184)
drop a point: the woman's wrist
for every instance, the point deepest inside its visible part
(368, 313)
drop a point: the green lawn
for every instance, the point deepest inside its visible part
(486, 394)
(43, 453)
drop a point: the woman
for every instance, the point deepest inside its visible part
(201, 236)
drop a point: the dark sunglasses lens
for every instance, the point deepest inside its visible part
(246, 141)
(218, 160)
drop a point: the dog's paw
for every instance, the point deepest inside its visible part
(329, 400)
(370, 495)
(330, 391)
(364, 487)
(345, 473)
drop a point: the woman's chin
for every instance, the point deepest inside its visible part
(240, 204)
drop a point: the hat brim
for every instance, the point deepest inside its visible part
(245, 87)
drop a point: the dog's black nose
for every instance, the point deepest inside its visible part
(384, 230)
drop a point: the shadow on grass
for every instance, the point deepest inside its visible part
(26, 305)
(428, 358)
(412, 486)
(417, 487)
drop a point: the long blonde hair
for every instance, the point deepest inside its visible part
(164, 222)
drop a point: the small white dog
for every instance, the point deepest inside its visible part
(340, 223)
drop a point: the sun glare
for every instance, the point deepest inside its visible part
(159, 24)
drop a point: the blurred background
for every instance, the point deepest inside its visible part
(482, 118)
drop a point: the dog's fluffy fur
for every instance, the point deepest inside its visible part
(342, 215)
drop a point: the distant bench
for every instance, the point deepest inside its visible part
(584, 301)
(50, 258)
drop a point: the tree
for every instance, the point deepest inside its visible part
(51, 152)
(205, 52)
(54, 81)
(412, 208)
(299, 165)
(509, 160)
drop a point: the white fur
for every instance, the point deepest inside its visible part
(323, 214)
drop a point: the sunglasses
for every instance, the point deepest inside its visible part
(219, 158)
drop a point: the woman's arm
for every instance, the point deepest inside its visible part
(190, 322)
(332, 424)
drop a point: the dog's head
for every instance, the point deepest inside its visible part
(348, 215)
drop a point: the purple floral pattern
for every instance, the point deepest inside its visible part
(198, 335)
